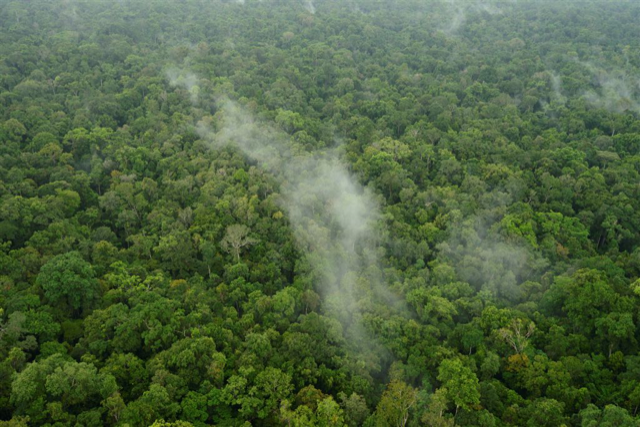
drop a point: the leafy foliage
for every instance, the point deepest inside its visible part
(150, 274)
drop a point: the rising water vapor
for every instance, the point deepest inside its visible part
(615, 91)
(484, 257)
(333, 217)
(308, 5)
(556, 85)
(459, 10)
(186, 80)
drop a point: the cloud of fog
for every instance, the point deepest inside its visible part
(556, 97)
(186, 80)
(308, 5)
(458, 18)
(459, 11)
(484, 258)
(556, 85)
(615, 91)
(333, 217)
(69, 10)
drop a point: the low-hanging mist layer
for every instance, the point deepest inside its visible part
(615, 92)
(306, 4)
(458, 13)
(482, 258)
(334, 218)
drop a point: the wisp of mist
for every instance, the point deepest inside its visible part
(333, 217)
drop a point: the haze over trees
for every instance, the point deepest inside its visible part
(319, 213)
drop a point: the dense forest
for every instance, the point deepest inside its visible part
(319, 213)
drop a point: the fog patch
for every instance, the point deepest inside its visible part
(335, 220)
(459, 11)
(186, 80)
(309, 7)
(614, 91)
(483, 257)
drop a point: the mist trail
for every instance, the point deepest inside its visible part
(458, 12)
(308, 5)
(556, 85)
(333, 217)
(616, 91)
